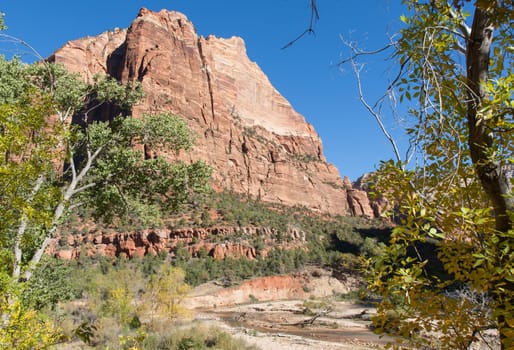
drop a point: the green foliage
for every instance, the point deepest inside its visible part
(121, 308)
(420, 284)
(197, 337)
(86, 332)
(314, 307)
(164, 293)
(279, 261)
(330, 241)
(28, 144)
(161, 130)
(112, 290)
(12, 82)
(50, 284)
(306, 158)
(238, 210)
(46, 119)
(454, 209)
(128, 186)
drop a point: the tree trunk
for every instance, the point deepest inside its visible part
(22, 228)
(494, 179)
(492, 176)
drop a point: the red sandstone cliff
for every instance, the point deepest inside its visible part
(249, 133)
(214, 241)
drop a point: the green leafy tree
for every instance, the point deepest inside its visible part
(114, 293)
(56, 159)
(51, 283)
(447, 274)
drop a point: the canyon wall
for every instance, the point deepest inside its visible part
(245, 129)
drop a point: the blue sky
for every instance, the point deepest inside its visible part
(306, 73)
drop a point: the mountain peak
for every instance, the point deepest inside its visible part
(246, 130)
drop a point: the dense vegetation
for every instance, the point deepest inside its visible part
(119, 304)
(336, 242)
(99, 299)
(333, 241)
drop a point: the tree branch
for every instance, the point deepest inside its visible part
(375, 115)
(464, 29)
(83, 188)
(310, 30)
(59, 211)
(357, 53)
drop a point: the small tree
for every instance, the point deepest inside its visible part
(165, 292)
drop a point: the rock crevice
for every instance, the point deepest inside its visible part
(205, 69)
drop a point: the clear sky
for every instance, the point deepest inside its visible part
(306, 73)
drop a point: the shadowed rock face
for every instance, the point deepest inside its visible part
(249, 133)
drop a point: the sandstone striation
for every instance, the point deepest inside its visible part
(245, 129)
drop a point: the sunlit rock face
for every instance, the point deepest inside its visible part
(213, 241)
(245, 129)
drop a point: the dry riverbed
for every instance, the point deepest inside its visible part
(284, 325)
(289, 312)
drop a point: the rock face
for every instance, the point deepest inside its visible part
(217, 242)
(254, 140)
(359, 200)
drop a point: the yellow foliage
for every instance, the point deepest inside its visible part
(165, 292)
(24, 329)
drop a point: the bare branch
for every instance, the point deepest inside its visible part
(76, 205)
(357, 53)
(375, 109)
(90, 159)
(83, 188)
(464, 28)
(92, 109)
(310, 30)
(16, 40)
(64, 116)
(72, 164)
(70, 191)
(377, 116)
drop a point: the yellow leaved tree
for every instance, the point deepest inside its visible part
(164, 294)
(448, 273)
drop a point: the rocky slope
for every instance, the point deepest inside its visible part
(249, 133)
